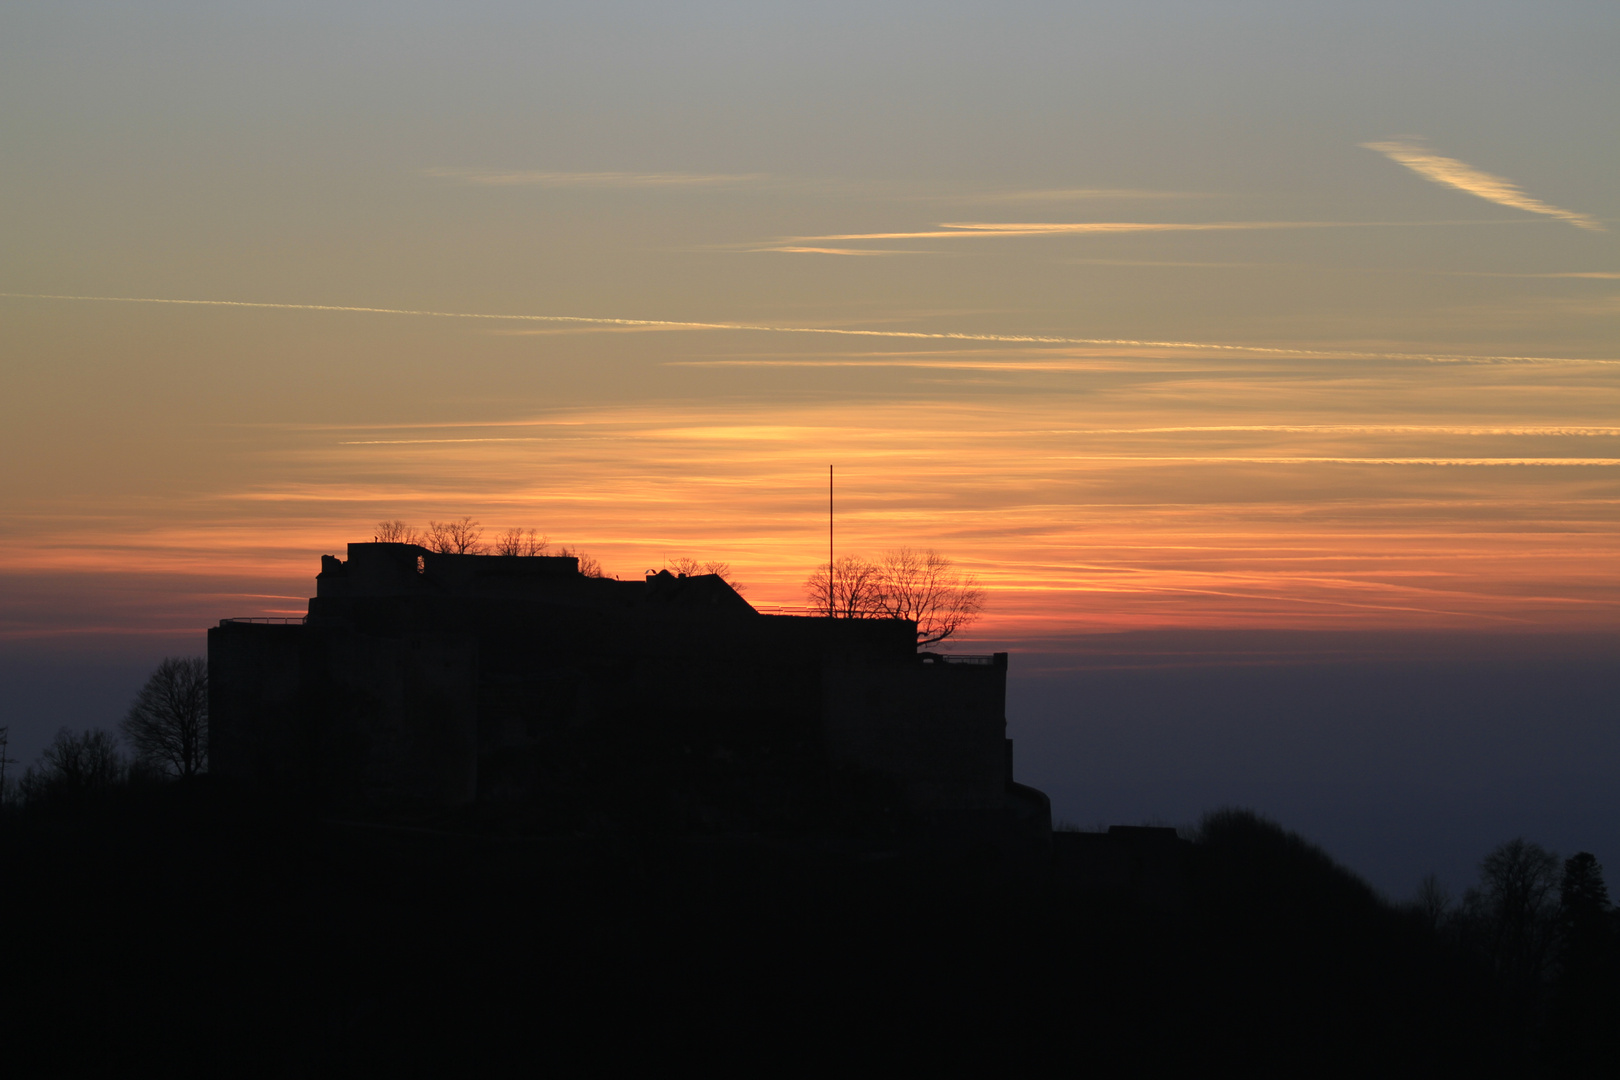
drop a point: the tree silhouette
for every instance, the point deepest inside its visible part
(396, 532)
(588, 564)
(168, 723)
(521, 542)
(1433, 902)
(906, 583)
(464, 537)
(75, 765)
(852, 590)
(690, 567)
(925, 586)
(1513, 913)
(1582, 1034)
(1584, 920)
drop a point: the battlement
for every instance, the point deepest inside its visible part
(402, 572)
(378, 569)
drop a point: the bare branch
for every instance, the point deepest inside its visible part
(588, 564)
(521, 542)
(921, 585)
(855, 591)
(464, 537)
(167, 724)
(75, 764)
(396, 532)
(687, 566)
(925, 586)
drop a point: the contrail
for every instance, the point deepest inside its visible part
(1464, 177)
(916, 335)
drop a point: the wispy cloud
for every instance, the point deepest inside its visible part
(794, 249)
(1073, 195)
(832, 331)
(1464, 177)
(958, 230)
(1593, 275)
(497, 178)
(1278, 459)
(1587, 275)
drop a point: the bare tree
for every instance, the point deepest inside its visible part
(464, 537)
(690, 567)
(925, 586)
(396, 532)
(1433, 902)
(853, 589)
(521, 542)
(588, 564)
(168, 723)
(75, 765)
(1513, 910)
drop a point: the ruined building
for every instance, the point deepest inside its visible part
(425, 680)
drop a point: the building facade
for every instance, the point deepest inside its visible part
(421, 679)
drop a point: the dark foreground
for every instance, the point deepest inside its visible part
(189, 929)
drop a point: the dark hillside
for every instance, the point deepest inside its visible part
(194, 930)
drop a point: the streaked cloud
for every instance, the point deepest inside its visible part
(1073, 195)
(1464, 177)
(1588, 275)
(1177, 503)
(1285, 459)
(958, 230)
(835, 331)
(499, 178)
(798, 250)
(1126, 524)
(1594, 275)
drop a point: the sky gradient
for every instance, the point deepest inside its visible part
(1250, 317)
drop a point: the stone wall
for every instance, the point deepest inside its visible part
(936, 727)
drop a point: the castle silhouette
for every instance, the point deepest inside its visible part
(421, 681)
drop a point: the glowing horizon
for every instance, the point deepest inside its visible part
(1079, 301)
(1126, 521)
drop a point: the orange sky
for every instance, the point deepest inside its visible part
(1089, 488)
(1150, 327)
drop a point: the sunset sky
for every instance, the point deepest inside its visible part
(1187, 315)
(1237, 320)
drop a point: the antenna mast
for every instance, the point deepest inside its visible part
(830, 571)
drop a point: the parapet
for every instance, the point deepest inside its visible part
(378, 569)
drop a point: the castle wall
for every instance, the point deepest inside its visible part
(255, 679)
(344, 716)
(427, 679)
(938, 728)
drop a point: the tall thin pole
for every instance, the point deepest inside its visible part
(830, 572)
(4, 761)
